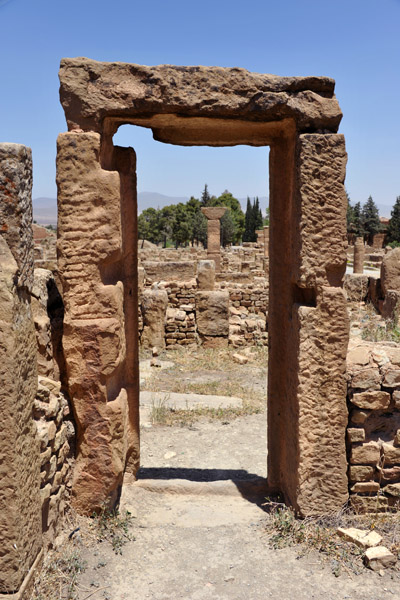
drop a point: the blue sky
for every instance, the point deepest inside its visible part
(356, 42)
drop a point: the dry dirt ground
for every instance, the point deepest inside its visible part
(198, 529)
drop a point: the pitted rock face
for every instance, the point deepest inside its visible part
(390, 271)
(90, 91)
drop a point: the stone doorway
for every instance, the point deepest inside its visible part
(308, 327)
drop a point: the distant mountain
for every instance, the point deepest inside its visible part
(45, 209)
(156, 200)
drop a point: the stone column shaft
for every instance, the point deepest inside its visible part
(359, 254)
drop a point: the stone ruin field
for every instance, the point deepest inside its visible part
(187, 423)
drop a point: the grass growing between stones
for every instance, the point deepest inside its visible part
(373, 327)
(319, 534)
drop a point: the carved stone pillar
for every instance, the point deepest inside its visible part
(213, 215)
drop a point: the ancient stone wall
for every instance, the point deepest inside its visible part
(373, 433)
(20, 509)
(56, 433)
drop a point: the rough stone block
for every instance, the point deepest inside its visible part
(322, 240)
(355, 435)
(205, 275)
(367, 454)
(360, 473)
(212, 312)
(371, 400)
(390, 271)
(16, 208)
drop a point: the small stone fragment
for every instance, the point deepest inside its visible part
(378, 558)
(355, 435)
(155, 362)
(155, 351)
(240, 359)
(361, 537)
(393, 489)
(169, 455)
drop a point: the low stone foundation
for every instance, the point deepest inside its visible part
(373, 434)
(56, 433)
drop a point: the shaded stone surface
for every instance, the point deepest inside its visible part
(20, 516)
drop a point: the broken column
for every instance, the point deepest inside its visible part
(214, 215)
(205, 275)
(212, 317)
(20, 508)
(359, 254)
(154, 303)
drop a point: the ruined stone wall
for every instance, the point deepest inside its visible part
(248, 313)
(20, 514)
(373, 433)
(56, 433)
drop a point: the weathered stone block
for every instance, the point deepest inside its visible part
(367, 454)
(212, 312)
(360, 473)
(374, 400)
(154, 309)
(390, 271)
(322, 240)
(355, 435)
(16, 208)
(205, 275)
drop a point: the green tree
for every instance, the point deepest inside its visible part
(149, 225)
(248, 222)
(166, 222)
(228, 229)
(393, 230)
(258, 218)
(182, 226)
(358, 227)
(205, 197)
(370, 218)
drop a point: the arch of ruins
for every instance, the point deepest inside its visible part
(298, 117)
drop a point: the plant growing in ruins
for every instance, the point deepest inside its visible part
(112, 526)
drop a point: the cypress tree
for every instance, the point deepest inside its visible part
(370, 217)
(393, 230)
(248, 222)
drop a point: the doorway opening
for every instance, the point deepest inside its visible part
(203, 394)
